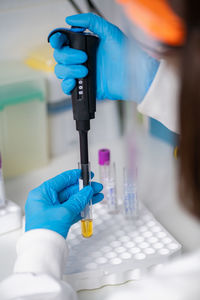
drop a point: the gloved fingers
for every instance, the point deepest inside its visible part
(91, 21)
(69, 56)
(68, 85)
(68, 192)
(57, 40)
(70, 71)
(77, 202)
(97, 198)
(97, 187)
(76, 219)
(63, 180)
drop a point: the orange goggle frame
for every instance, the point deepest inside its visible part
(157, 19)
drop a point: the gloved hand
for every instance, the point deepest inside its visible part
(57, 203)
(111, 66)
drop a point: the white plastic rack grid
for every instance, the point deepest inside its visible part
(119, 249)
(10, 217)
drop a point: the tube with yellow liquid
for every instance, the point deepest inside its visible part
(86, 214)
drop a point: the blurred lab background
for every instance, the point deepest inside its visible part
(36, 124)
(35, 115)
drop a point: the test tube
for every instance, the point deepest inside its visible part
(104, 165)
(86, 214)
(131, 205)
(2, 188)
(111, 190)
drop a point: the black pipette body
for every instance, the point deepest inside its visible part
(84, 93)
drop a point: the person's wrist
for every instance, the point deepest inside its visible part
(36, 248)
(61, 230)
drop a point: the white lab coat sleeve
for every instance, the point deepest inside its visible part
(38, 270)
(162, 100)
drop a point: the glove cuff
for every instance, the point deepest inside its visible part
(41, 251)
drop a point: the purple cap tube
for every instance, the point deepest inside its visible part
(104, 157)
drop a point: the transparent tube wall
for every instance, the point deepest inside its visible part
(110, 189)
(131, 204)
(86, 214)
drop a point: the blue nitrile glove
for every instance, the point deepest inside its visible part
(113, 78)
(57, 203)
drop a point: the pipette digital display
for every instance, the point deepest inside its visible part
(83, 102)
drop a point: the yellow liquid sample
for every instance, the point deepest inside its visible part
(87, 228)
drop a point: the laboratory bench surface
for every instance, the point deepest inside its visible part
(156, 188)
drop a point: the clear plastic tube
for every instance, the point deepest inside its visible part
(110, 189)
(131, 204)
(104, 166)
(86, 214)
(103, 174)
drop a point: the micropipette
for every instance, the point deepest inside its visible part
(84, 104)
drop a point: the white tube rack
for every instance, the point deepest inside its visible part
(10, 217)
(119, 250)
